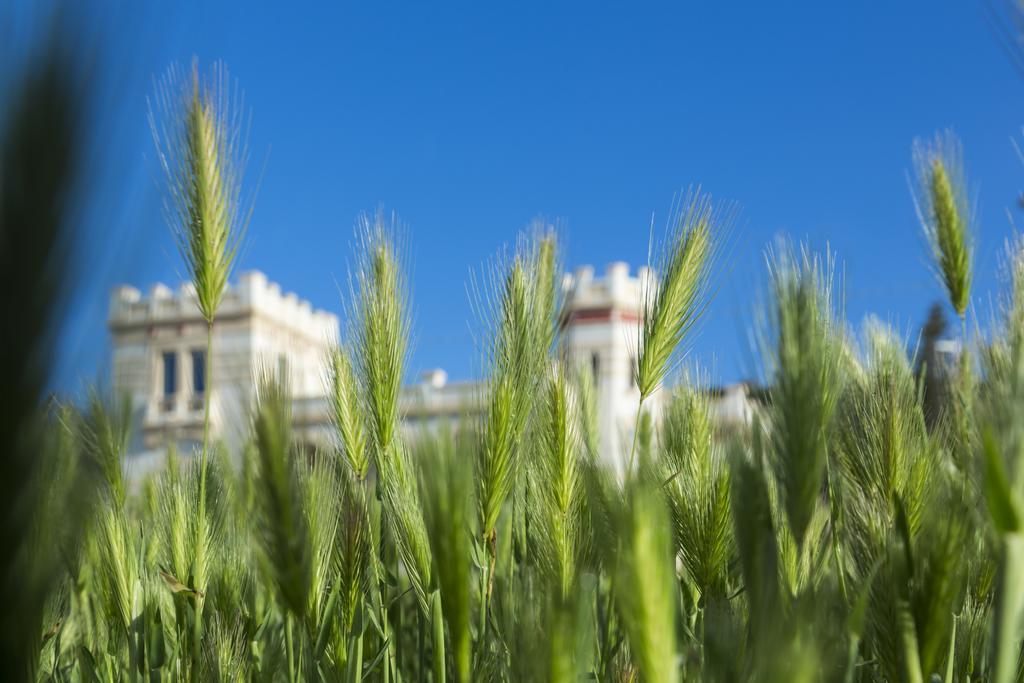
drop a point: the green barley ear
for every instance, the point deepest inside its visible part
(347, 414)
(227, 657)
(382, 330)
(645, 581)
(882, 444)
(354, 548)
(558, 513)
(509, 399)
(942, 206)
(284, 531)
(546, 289)
(197, 125)
(590, 431)
(674, 304)
(119, 567)
(805, 375)
(381, 334)
(697, 484)
(103, 430)
(319, 487)
(404, 512)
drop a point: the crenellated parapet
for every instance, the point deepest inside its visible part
(618, 291)
(252, 294)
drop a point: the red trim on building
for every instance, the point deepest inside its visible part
(601, 315)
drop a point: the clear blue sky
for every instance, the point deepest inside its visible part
(470, 119)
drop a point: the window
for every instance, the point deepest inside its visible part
(198, 372)
(170, 361)
(595, 365)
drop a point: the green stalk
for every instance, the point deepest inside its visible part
(952, 653)
(482, 614)
(197, 626)
(908, 642)
(851, 659)
(289, 645)
(208, 372)
(355, 661)
(1009, 602)
(636, 432)
(379, 580)
(438, 632)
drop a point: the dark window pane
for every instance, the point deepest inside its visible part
(595, 365)
(170, 373)
(199, 371)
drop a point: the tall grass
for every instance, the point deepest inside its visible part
(673, 304)
(837, 536)
(198, 131)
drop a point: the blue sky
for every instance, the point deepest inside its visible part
(471, 119)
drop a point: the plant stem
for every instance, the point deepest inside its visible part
(197, 627)
(289, 646)
(636, 432)
(484, 600)
(1009, 603)
(208, 376)
(438, 624)
(355, 664)
(948, 678)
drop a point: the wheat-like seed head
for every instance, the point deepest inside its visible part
(945, 214)
(382, 329)
(284, 526)
(347, 412)
(587, 396)
(318, 486)
(197, 123)
(404, 512)
(546, 289)
(512, 379)
(696, 482)
(882, 445)
(353, 556)
(673, 305)
(557, 487)
(104, 429)
(119, 565)
(805, 350)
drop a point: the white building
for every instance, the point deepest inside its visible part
(159, 347)
(601, 326)
(159, 356)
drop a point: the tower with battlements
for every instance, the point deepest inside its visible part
(600, 330)
(159, 357)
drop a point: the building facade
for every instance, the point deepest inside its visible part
(159, 357)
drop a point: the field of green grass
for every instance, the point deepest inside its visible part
(867, 526)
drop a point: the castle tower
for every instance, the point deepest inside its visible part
(601, 327)
(159, 357)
